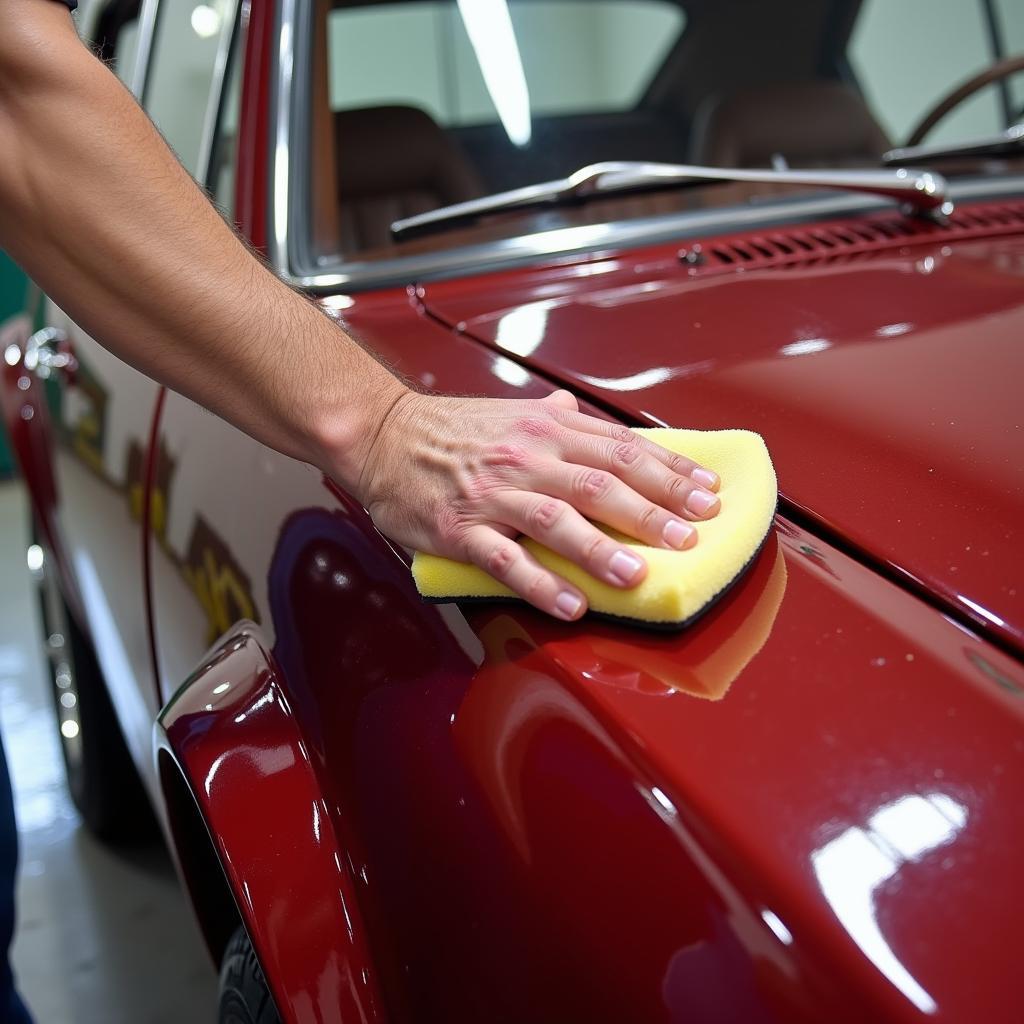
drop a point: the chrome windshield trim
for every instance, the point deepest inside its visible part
(1009, 139)
(519, 250)
(147, 28)
(592, 238)
(281, 130)
(921, 190)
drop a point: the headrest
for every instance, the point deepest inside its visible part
(393, 149)
(809, 123)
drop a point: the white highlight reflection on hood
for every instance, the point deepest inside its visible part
(851, 868)
(522, 329)
(648, 378)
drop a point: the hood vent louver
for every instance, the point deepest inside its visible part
(842, 241)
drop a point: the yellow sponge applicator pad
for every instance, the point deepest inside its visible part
(679, 584)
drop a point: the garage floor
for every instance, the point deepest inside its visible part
(103, 937)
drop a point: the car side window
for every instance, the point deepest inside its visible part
(182, 70)
(124, 51)
(1010, 23)
(114, 36)
(904, 70)
(224, 157)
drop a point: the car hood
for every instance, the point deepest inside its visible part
(886, 384)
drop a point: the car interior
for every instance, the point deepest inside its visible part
(403, 120)
(799, 84)
(778, 91)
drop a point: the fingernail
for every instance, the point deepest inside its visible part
(676, 533)
(705, 478)
(624, 566)
(700, 503)
(568, 604)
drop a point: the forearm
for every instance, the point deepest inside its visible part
(99, 212)
(123, 240)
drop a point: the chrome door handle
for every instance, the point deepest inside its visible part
(46, 351)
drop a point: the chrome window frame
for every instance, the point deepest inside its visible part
(289, 138)
(149, 20)
(144, 48)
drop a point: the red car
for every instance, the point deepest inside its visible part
(804, 807)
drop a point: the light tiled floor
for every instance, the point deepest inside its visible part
(102, 938)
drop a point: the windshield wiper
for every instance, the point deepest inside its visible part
(923, 191)
(1009, 141)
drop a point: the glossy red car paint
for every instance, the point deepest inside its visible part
(886, 384)
(748, 821)
(251, 203)
(805, 808)
(230, 730)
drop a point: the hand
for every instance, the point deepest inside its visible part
(462, 477)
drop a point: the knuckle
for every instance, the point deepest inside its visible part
(498, 561)
(536, 589)
(510, 456)
(593, 484)
(594, 546)
(679, 487)
(546, 514)
(622, 434)
(678, 465)
(647, 520)
(449, 525)
(626, 453)
(537, 426)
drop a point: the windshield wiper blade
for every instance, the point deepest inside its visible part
(1009, 141)
(923, 191)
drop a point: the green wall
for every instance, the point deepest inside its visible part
(12, 300)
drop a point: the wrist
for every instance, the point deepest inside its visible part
(344, 437)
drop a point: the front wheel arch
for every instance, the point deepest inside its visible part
(242, 794)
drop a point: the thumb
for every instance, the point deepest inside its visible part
(563, 400)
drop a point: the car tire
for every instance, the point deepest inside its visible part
(244, 995)
(104, 784)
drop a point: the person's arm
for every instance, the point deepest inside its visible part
(98, 211)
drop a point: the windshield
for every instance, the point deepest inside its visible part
(421, 104)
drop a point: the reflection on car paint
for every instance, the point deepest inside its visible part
(705, 659)
(990, 671)
(217, 580)
(852, 867)
(85, 419)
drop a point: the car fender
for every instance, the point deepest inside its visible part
(229, 734)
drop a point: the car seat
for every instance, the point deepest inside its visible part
(394, 162)
(809, 124)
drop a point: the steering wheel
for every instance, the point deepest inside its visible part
(998, 71)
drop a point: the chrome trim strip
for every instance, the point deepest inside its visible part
(522, 249)
(213, 103)
(921, 190)
(147, 28)
(569, 242)
(277, 236)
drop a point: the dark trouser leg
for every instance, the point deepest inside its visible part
(12, 1010)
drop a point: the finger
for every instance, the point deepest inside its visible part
(511, 564)
(679, 464)
(632, 462)
(603, 497)
(563, 400)
(558, 526)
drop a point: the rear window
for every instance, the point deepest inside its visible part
(544, 57)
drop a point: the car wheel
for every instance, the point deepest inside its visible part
(244, 995)
(102, 778)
